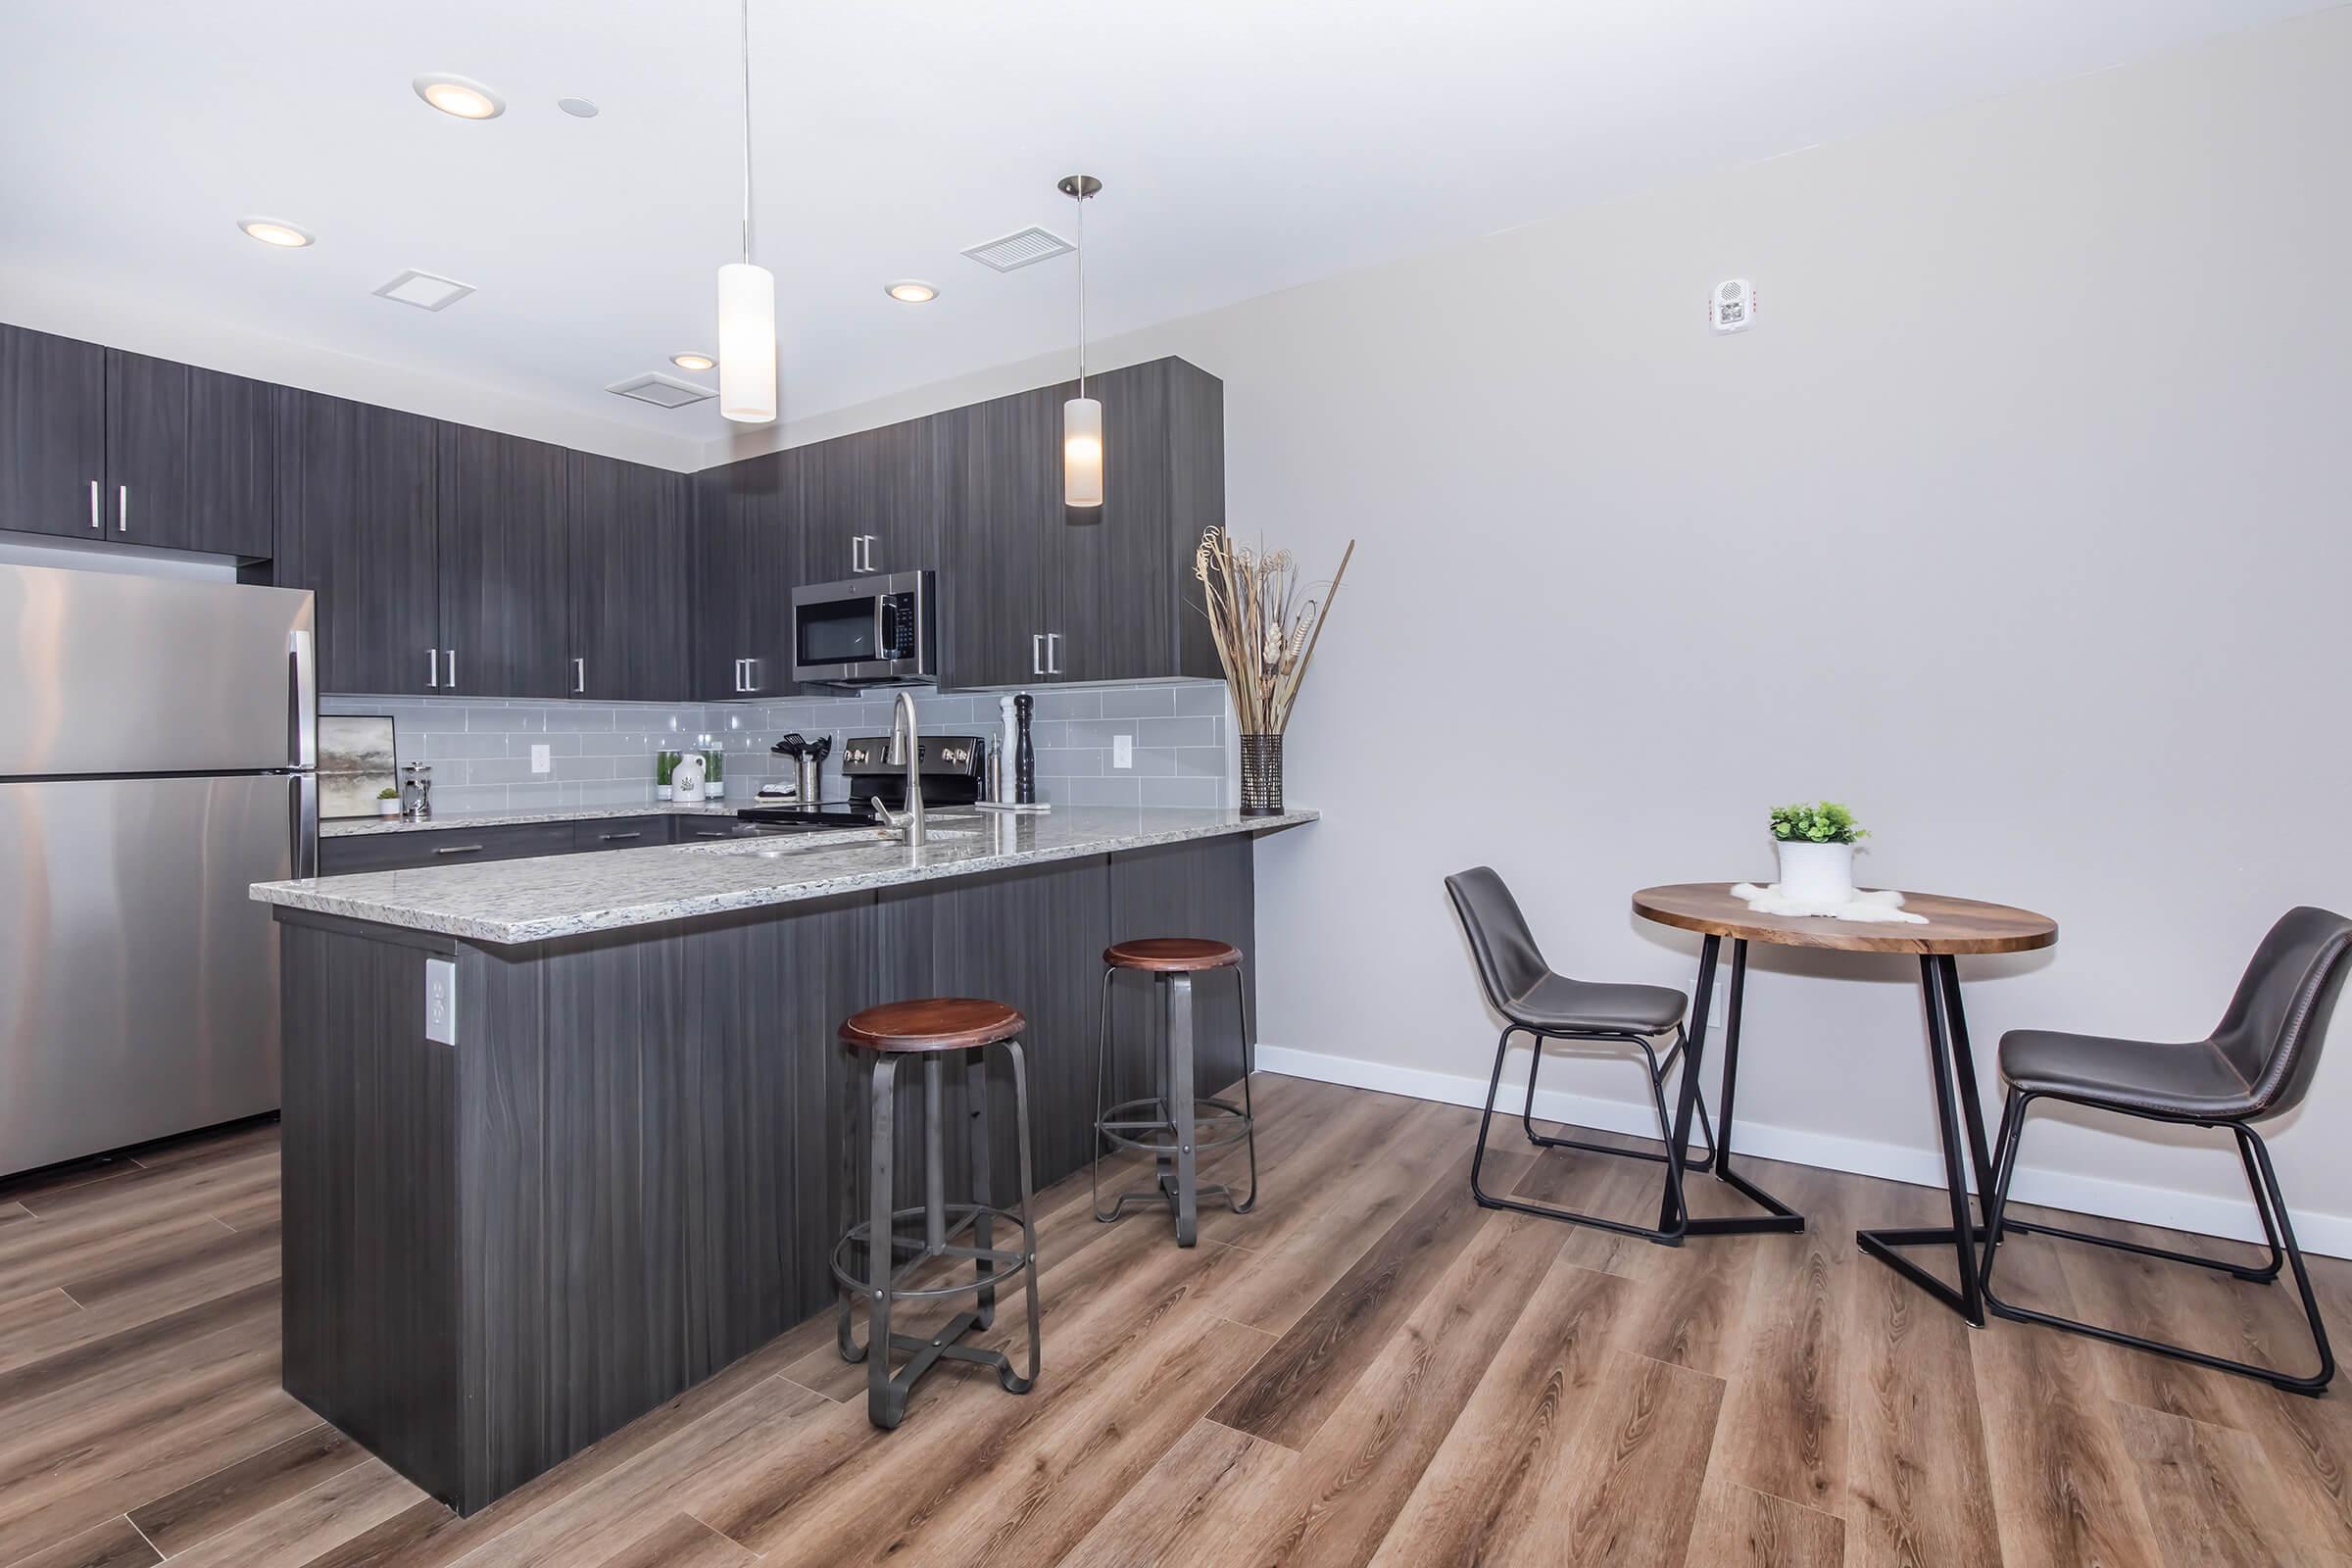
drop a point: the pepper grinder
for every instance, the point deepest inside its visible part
(1024, 757)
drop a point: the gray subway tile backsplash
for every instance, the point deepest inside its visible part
(603, 753)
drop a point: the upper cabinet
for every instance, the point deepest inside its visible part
(628, 542)
(500, 519)
(873, 502)
(108, 445)
(1038, 592)
(355, 488)
(748, 545)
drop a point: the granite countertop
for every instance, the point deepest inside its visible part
(343, 827)
(559, 896)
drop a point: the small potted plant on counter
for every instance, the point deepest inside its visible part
(1816, 843)
(388, 802)
(714, 783)
(666, 763)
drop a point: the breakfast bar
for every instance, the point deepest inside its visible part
(564, 1137)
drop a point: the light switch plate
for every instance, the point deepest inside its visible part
(441, 1002)
(1122, 751)
(542, 761)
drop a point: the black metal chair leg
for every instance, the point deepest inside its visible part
(1658, 1067)
(1669, 1233)
(2264, 1181)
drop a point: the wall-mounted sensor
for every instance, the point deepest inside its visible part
(1731, 307)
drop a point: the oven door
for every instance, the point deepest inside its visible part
(869, 631)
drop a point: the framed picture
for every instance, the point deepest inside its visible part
(356, 761)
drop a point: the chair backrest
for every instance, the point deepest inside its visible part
(2278, 1020)
(1508, 962)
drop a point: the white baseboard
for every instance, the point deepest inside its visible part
(2197, 1212)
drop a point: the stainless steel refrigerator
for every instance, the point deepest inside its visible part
(158, 748)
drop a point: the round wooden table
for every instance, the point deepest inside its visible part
(1954, 928)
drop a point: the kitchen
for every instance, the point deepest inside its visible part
(677, 894)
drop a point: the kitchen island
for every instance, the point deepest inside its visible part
(615, 1153)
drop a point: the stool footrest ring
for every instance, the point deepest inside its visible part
(1006, 1264)
(1227, 1123)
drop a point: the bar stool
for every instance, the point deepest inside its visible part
(934, 1029)
(1172, 1131)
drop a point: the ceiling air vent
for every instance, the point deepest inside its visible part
(662, 391)
(425, 291)
(1024, 249)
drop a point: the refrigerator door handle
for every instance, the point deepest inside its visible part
(301, 661)
(306, 825)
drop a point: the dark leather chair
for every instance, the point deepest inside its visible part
(1537, 1000)
(2255, 1064)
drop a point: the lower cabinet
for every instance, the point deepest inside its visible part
(408, 849)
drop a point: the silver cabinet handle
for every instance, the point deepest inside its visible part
(751, 675)
(97, 515)
(617, 838)
(580, 676)
(739, 674)
(1037, 652)
(453, 670)
(1052, 653)
(122, 509)
(459, 849)
(432, 668)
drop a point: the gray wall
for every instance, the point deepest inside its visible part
(2019, 523)
(602, 755)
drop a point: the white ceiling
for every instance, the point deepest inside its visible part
(1245, 146)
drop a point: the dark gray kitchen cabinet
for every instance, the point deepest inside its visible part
(356, 489)
(873, 502)
(52, 434)
(1037, 592)
(500, 554)
(188, 456)
(997, 573)
(629, 540)
(746, 562)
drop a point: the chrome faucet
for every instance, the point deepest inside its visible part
(905, 747)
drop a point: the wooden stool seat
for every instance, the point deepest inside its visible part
(1172, 954)
(933, 1023)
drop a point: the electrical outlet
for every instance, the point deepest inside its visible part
(542, 760)
(441, 1002)
(1122, 751)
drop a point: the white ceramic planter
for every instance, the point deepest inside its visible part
(1817, 873)
(389, 807)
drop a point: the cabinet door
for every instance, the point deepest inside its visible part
(505, 605)
(875, 501)
(629, 539)
(231, 495)
(354, 526)
(1115, 579)
(146, 491)
(747, 548)
(1001, 551)
(53, 433)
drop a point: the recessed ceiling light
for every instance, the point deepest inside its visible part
(911, 291)
(459, 96)
(426, 290)
(692, 362)
(577, 108)
(276, 231)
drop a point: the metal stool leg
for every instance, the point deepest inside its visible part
(1177, 994)
(1012, 1381)
(885, 1401)
(975, 1079)
(1241, 991)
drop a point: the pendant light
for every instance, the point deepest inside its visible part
(1082, 416)
(747, 300)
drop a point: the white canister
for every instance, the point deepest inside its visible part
(686, 779)
(1817, 873)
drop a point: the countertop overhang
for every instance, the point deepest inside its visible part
(512, 902)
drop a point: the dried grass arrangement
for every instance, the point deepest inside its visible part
(1265, 628)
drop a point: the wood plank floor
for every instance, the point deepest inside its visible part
(1368, 1368)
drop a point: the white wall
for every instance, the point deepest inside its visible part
(2019, 523)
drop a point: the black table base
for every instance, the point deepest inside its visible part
(1778, 1217)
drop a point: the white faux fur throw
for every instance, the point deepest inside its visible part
(1882, 904)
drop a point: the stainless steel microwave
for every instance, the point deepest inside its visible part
(878, 630)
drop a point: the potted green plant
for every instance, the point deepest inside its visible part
(664, 764)
(714, 784)
(1816, 843)
(388, 802)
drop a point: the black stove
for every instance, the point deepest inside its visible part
(795, 818)
(952, 765)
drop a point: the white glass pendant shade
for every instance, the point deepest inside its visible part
(1082, 453)
(747, 343)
